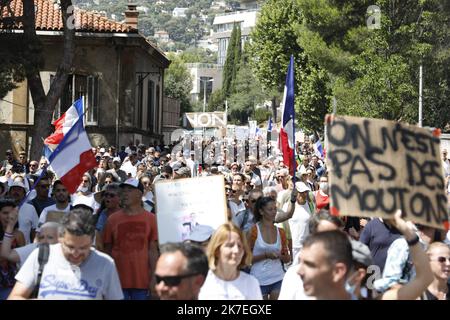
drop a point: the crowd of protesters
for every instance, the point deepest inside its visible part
(280, 241)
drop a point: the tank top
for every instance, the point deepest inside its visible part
(267, 271)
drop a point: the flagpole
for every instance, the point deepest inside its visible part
(293, 153)
(44, 170)
(293, 129)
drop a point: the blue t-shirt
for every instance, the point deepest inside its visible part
(101, 222)
(378, 237)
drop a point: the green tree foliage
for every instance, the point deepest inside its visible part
(193, 55)
(183, 30)
(216, 101)
(247, 94)
(262, 115)
(237, 55)
(231, 66)
(374, 72)
(178, 82)
(273, 42)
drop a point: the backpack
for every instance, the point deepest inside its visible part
(44, 252)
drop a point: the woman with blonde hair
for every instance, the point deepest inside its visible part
(228, 252)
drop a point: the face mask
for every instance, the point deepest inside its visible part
(83, 189)
(324, 186)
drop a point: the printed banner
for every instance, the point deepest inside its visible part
(182, 204)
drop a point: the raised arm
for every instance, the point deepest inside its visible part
(286, 215)
(6, 252)
(424, 275)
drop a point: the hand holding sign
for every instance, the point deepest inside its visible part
(405, 227)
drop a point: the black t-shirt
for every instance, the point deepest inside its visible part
(430, 296)
(40, 205)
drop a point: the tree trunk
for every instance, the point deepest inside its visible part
(274, 109)
(45, 104)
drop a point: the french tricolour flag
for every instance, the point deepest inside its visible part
(73, 156)
(318, 149)
(64, 123)
(287, 136)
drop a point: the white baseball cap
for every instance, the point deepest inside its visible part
(200, 233)
(18, 184)
(301, 187)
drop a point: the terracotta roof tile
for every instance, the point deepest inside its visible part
(48, 17)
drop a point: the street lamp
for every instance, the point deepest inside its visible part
(204, 91)
(204, 107)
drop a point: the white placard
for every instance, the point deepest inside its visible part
(129, 168)
(183, 203)
(242, 133)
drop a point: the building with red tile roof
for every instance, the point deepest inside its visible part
(117, 70)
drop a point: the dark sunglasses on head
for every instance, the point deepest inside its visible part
(173, 281)
(109, 195)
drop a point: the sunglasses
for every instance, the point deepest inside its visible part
(109, 195)
(173, 281)
(230, 190)
(443, 259)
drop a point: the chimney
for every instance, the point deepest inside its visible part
(131, 16)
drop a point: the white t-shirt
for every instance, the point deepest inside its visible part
(25, 251)
(28, 219)
(245, 287)
(95, 279)
(299, 225)
(292, 286)
(446, 166)
(45, 211)
(88, 200)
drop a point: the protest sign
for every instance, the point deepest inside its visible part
(182, 204)
(129, 168)
(252, 129)
(379, 166)
(300, 136)
(207, 119)
(242, 133)
(55, 216)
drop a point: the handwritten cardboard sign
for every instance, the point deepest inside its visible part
(55, 216)
(379, 166)
(181, 204)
